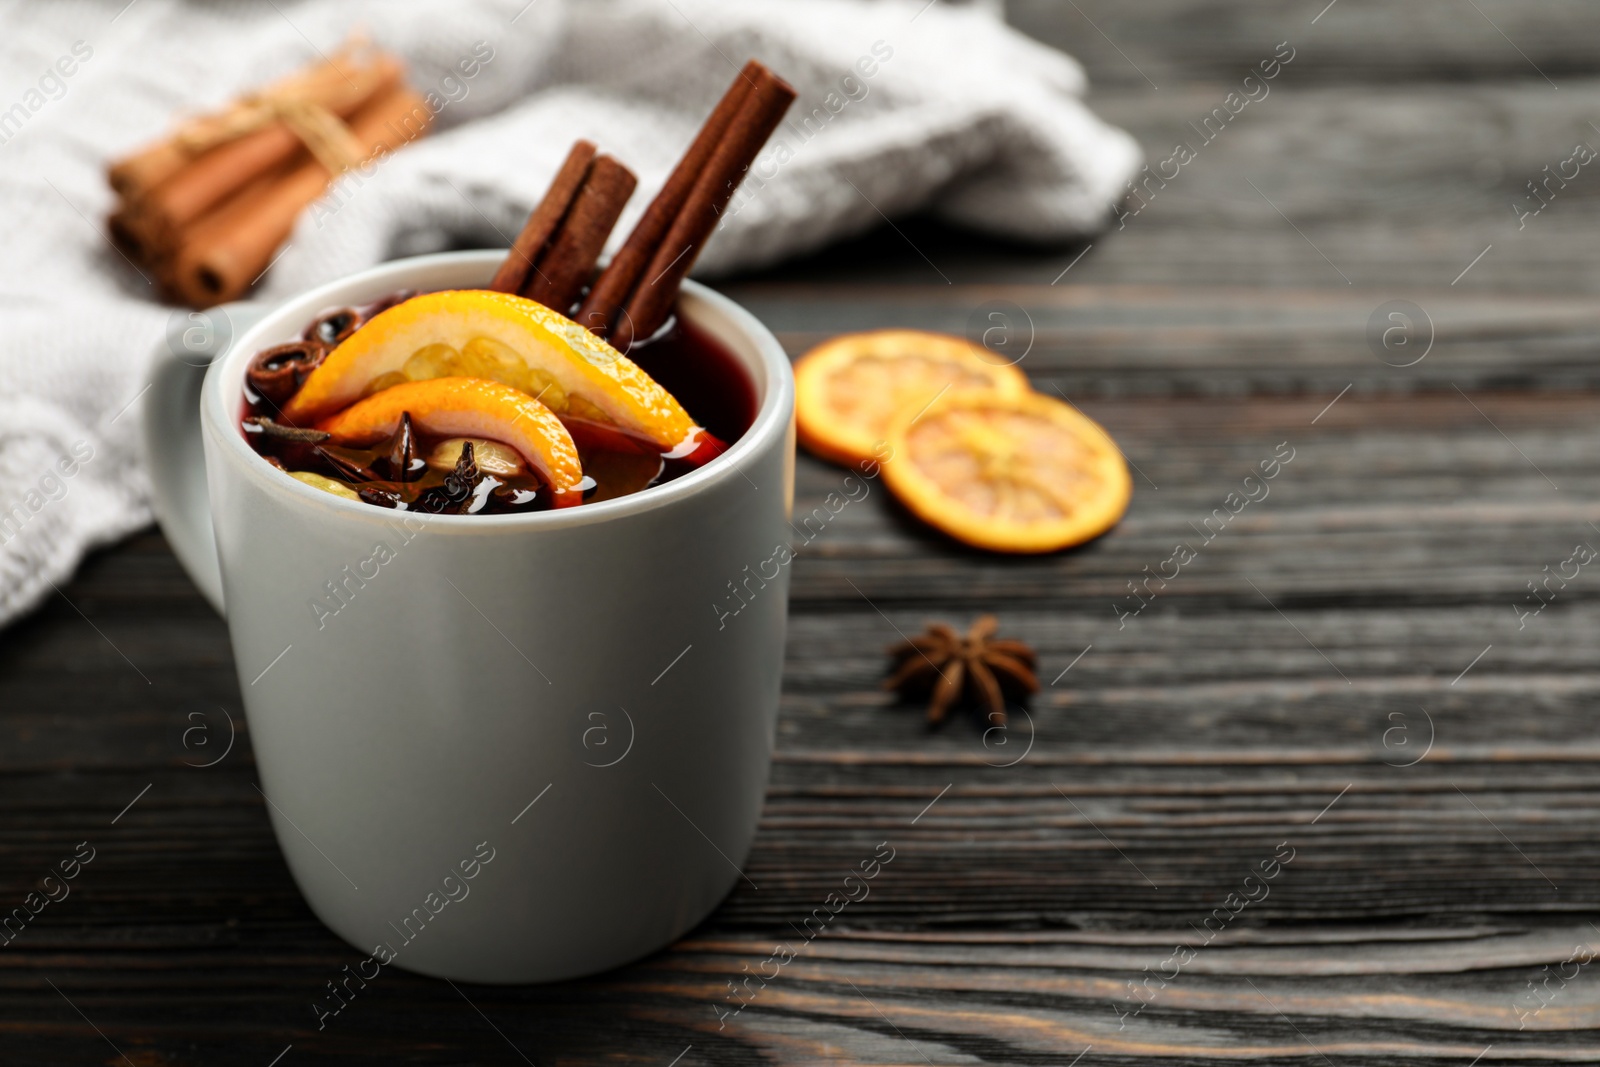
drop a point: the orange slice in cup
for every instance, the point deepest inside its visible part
(474, 333)
(470, 407)
(1008, 472)
(849, 389)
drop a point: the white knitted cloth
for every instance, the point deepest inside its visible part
(902, 107)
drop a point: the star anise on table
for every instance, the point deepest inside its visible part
(946, 665)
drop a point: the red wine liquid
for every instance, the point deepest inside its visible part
(705, 377)
(684, 359)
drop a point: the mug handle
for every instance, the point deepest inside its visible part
(177, 461)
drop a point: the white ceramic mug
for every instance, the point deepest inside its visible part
(564, 693)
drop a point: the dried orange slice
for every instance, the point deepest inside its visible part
(470, 407)
(474, 333)
(849, 389)
(1008, 472)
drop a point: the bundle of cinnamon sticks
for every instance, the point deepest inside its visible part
(554, 256)
(206, 209)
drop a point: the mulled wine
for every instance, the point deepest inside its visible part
(417, 466)
(493, 400)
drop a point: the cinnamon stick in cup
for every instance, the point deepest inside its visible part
(554, 255)
(543, 220)
(568, 264)
(617, 282)
(758, 115)
(556, 251)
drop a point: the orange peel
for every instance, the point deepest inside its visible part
(476, 333)
(1009, 473)
(848, 390)
(470, 407)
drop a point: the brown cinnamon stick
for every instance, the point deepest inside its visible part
(543, 220)
(149, 167)
(341, 84)
(159, 251)
(757, 117)
(617, 282)
(568, 263)
(127, 234)
(216, 174)
(226, 252)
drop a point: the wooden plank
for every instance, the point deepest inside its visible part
(883, 998)
(1124, 342)
(1173, 757)
(1355, 186)
(1348, 41)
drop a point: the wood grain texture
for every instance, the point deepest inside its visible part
(1341, 674)
(1177, 42)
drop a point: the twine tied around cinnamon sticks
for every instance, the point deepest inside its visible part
(206, 209)
(324, 134)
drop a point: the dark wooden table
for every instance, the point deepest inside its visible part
(1339, 687)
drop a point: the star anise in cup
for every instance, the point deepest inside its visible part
(947, 666)
(455, 496)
